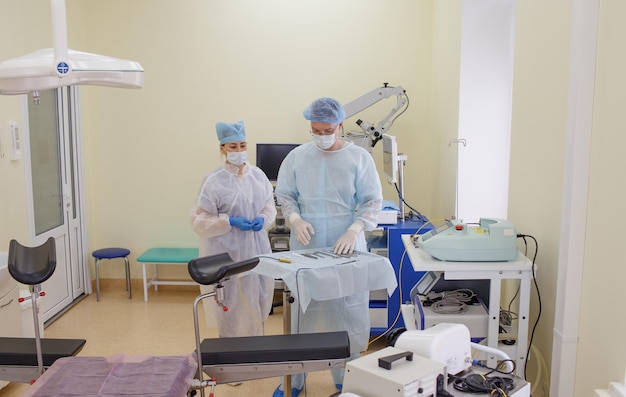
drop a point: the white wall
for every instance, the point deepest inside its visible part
(540, 88)
(602, 349)
(16, 39)
(146, 150)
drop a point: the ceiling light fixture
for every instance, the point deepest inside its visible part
(59, 66)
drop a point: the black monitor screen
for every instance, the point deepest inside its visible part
(269, 156)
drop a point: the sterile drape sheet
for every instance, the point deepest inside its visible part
(316, 274)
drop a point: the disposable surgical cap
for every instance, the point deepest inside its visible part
(325, 110)
(230, 132)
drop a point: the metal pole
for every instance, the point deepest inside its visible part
(287, 330)
(401, 160)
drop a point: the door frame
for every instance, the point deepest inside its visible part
(75, 246)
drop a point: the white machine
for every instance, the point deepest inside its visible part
(418, 314)
(394, 372)
(493, 240)
(419, 364)
(445, 343)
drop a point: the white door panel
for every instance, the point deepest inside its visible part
(54, 199)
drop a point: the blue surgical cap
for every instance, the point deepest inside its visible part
(325, 110)
(230, 132)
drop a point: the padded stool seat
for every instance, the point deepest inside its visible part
(112, 253)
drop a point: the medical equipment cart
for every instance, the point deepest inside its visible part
(520, 269)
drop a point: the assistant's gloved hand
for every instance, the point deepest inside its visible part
(257, 223)
(301, 229)
(346, 243)
(239, 222)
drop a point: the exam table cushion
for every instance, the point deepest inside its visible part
(275, 348)
(23, 352)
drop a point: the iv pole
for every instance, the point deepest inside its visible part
(401, 161)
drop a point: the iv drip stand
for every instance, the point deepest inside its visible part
(401, 160)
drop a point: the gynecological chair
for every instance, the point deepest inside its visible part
(25, 359)
(238, 359)
(225, 360)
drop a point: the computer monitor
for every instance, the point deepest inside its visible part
(390, 158)
(269, 157)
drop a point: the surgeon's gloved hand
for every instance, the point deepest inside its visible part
(346, 243)
(301, 229)
(257, 223)
(239, 222)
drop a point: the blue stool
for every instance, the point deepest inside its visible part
(112, 253)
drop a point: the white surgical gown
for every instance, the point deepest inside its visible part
(330, 190)
(223, 194)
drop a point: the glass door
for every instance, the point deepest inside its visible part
(54, 194)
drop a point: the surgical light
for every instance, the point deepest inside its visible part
(59, 66)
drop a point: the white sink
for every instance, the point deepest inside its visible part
(5, 276)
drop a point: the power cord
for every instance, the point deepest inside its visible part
(415, 214)
(450, 302)
(478, 383)
(532, 334)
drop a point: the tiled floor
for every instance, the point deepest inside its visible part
(161, 326)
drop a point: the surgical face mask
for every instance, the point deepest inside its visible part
(237, 158)
(324, 141)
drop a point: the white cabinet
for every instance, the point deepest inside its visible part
(10, 317)
(10, 312)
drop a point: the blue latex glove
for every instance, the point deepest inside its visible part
(257, 224)
(239, 222)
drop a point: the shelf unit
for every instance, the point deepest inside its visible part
(520, 269)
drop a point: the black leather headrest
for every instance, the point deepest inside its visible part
(212, 269)
(32, 265)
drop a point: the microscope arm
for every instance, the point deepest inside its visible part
(376, 131)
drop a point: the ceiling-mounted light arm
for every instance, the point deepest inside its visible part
(60, 66)
(59, 36)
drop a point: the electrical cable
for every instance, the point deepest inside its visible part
(532, 334)
(416, 213)
(415, 235)
(478, 383)
(399, 312)
(450, 302)
(400, 291)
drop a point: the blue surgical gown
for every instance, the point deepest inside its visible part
(330, 190)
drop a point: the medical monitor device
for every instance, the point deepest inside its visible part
(492, 240)
(425, 284)
(390, 158)
(269, 157)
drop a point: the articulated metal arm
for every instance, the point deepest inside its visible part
(376, 131)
